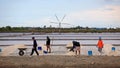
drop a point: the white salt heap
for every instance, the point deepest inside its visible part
(10, 49)
(107, 50)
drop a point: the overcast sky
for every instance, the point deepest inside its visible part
(37, 13)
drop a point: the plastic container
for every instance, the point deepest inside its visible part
(39, 48)
(113, 48)
(89, 53)
(45, 52)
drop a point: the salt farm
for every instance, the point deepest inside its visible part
(59, 41)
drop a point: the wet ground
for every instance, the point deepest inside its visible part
(63, 39)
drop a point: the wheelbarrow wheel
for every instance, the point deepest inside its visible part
(21, 53)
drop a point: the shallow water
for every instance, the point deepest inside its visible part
(64, 38)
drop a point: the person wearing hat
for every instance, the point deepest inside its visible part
(100, 45)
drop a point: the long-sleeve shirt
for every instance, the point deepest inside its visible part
(34, 44)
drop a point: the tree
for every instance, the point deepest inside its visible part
(44, 26)
(8, 28)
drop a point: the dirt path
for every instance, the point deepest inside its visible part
(60, 62)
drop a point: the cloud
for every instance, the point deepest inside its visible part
(112, 0)
(102, 16)
(36, 22)
(106, 14)
(40, 22)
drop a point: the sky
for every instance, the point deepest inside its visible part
(37, 13)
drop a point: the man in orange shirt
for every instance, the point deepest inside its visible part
(100, 45)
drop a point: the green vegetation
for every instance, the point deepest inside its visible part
(56, 30)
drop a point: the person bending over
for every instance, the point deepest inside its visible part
(76, 45)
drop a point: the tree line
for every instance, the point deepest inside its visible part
(45, 29)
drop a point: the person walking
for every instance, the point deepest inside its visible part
(100, 45)
(34, 46)
(48, 45)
